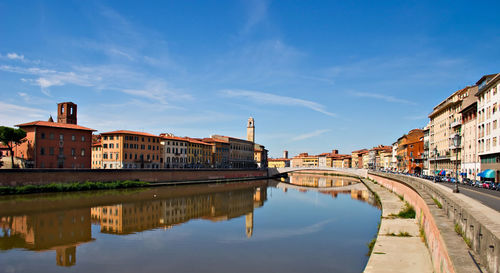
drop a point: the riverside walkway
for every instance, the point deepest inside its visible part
(399, 247)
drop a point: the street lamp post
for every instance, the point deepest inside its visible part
(435, 163)
(456, 142)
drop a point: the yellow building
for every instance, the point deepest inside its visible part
(278, 162)
(96, 155)
(131, 150)
(199, 153)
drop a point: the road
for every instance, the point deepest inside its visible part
(489, 198)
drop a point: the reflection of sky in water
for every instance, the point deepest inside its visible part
(292, 232)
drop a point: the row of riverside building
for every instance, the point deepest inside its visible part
(471, 114)
(461, 137)
(65, 144)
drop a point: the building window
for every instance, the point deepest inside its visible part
(61, 137)
(61, 151)
(111, 145)
(42, 151)
(51, 150)
(73, 138)
(82, 153)
(83, 138)
(51, 136)
(42, 135)
(73, 152)
(105, 146)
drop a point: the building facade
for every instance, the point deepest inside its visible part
(131, 150)
(241, 152)
(62, 144)
(487, 124)
(445, 123)
(174, 151)
(410, 152)
(470, 163)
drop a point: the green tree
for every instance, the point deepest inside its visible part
(10, 137)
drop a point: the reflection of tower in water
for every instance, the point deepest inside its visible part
(249, 224)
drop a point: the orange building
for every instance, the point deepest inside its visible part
(97, 155)
(61, 144)
(410, 152)
(131, 150)
(357, 158)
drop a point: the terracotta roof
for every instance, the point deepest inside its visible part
(197, 141)
(214, 140)
(359, 151)
(55, 124)
(174, 138)
(126, 132)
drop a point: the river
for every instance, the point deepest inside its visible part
(307, 223)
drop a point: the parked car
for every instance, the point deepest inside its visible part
(487, 185)
(478, 184)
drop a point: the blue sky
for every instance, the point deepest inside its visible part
(315, 75)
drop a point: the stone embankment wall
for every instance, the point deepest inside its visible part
(41, 177)
(449, 250)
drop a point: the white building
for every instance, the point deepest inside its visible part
(174, 150)
(487, 124)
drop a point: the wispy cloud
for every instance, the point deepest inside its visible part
(310, 135)
(268, 98)
(48, 77)
(387, 98)
(15, 56)
(257, 13)
(272, 234)
(11, 114)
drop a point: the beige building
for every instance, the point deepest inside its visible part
(470, 163)
(174, 151)
(445, 123)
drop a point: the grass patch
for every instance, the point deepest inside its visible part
(437, 203)
(459, 231)
(408, 212)
(371, 245)
(69, 187)
(403, 234)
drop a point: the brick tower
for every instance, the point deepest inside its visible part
(66, 112)
(251, 130)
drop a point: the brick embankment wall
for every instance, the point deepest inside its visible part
(449, 251)
(44, 176)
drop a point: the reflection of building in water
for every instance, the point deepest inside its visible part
(321, 181)
(60, 231)
(136, 217)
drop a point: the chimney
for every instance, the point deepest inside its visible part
(285, 154)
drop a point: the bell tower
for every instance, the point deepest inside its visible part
(250, 130)
(66, 112)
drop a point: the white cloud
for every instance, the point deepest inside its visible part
(381, 97)
(11, 114)
(310, 135)
(15, 56)
(268, 98)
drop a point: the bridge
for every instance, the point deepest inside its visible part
(356, 186)
(273, 172)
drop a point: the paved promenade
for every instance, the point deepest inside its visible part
(392, 252)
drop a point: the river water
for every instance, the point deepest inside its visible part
(308, 223)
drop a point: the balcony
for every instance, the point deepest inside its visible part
(455, 123)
